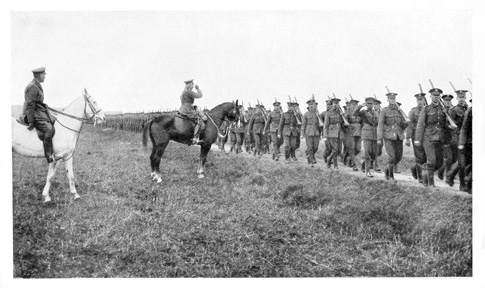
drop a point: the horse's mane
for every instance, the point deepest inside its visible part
(219, 109)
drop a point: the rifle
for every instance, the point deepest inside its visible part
(406, 118)
(341, 112)
(451, 123)
(298, 114)
(424, 96)
(320, 121)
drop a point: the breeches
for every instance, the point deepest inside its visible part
(434, 154)
(257, 141)
(46, 128)
(394, 151)
(370, 149)
(290, 142)
(312, 145)
(355, 145)
(335, 145)
(277, 142)
(450, 154)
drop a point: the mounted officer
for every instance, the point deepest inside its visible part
(189, 110)
(37, 112)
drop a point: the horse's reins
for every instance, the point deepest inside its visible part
(228, 127)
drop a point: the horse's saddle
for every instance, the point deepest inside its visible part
(22, 120)
(200, 115)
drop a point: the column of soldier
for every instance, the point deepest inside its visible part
(440, 133)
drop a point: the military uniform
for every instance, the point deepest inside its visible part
(450, 155)
(333, 132)
(311, 131)
(391, 129)
(187, 99)
(457, 113)
(239, 131)
(370, 120)
(38, 115)
(354, 132)
(328, 149)
(256, 125)
(465, 141)
(377, 110)
(273, 123)
(419, 154)
(221, 140)
(249, 139)
(430, 133)
(289, 131)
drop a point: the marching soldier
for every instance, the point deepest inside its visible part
(377, 110)
(457, 113)
(465, 148)
(354, 133)
(419, 154)
(311, 131)
(249, 139)
(430, 133)
(240, 131)
(298, 126)
(288, 129)
(256, 125)
(370, 120)
(37, 113)
(333, 131)
(328, 150)
(344, 156)
(273, 123)
(450, 155)
(391, 129)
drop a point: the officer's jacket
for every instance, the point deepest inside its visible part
(273, 121)
(34, 107)
(391, 124)
(355, 123)
(256, 124)
(332, 126)
(457, 113)
(309, 124)
(370, 120)
(466, 128)
(413, 118)
(288, 124)
(431, 124)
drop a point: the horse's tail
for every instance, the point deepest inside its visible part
(146, 128)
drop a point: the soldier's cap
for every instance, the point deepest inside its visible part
(420, 95)
(391, 95)
(354, 101)
(436, 91)
(276, 103)
(310, 102)
(189, 81)
(296, 104)
(335, 100)
(38, 70)
(289, 104)
(461, 93)
(447, 97)
(377, 101)
(370, 100)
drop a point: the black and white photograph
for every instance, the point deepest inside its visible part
(325, 142)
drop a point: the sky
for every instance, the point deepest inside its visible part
(134, 61)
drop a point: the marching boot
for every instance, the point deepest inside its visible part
(414, 171)
(391, 172)
(376, 166)
(335, 162)
(440, 172)
(461, 175)
(450, 176)
(367, 169)
(431, 178)
(424, 170)
(293, 154)
(287, 155)
(419, 173)
(354, 164)
(396, 169)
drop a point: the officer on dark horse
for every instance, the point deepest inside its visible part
(187, 127)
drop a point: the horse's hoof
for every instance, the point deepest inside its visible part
(200, 176)
(76, 196)
(159, 181)
(47, 200)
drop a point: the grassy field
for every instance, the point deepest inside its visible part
(247, 218)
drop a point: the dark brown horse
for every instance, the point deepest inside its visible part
(164, 128)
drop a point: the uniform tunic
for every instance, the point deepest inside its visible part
(430, 132)
(311, 131)
(369, 132)
(273, 123)
(332, 130)
(391, 128)
(419, 154)
(256, 125)
(288, 129)
(187, 99)
(354, 133)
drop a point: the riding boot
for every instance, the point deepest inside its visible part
(431, 178)
(196, 140)
(48, 150)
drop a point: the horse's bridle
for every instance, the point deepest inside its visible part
(232, 122)
(84, 120)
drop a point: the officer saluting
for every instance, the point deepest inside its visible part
(37, 113)
(430, 133)
(369, 132)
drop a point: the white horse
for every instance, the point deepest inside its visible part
(67, 129)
